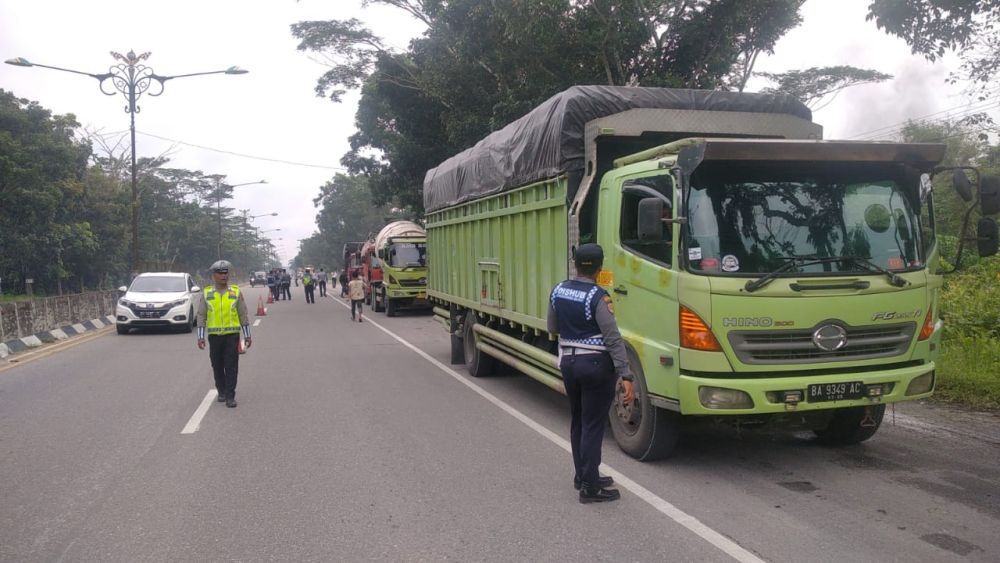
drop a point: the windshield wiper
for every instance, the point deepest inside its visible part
(867, 264)
(791, 263)
(808, 260)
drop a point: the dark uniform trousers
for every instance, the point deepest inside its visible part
(590, 385)
(310, 293)
(223, 350)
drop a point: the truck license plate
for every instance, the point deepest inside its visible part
(836, 391)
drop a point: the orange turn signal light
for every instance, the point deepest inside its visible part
(928, 329)
(695, 334)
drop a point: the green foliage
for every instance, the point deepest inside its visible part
(970, 301)
(813, 84)
(480, 65)
(66, 213)
(346, 214)
(935, 27)
(969, 372)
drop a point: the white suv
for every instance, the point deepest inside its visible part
(157, 299)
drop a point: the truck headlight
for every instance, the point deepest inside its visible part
(722, 398)
(921, 384)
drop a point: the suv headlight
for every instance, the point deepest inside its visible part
(125, 302)
(177, 303)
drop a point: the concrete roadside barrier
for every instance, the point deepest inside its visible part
(16, 345)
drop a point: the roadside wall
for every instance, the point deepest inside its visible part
(24, 318)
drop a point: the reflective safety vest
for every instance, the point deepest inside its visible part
(221, 314)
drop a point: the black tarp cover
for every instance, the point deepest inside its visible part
(548, 141)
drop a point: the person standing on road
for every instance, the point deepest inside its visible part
(222, 314)
(356, 290)
(592, 358)
(272, 284)
(321, 278)
(309, 283)
(343, 283)
(286, 284)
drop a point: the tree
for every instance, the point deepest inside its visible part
(480, 65)
(934, 27)
(345, 215)
(811, 85)
(42, 168)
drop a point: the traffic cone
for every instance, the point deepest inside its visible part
(260, 307)
(270, 298)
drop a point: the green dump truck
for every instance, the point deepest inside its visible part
(401, 251)
(759, 274)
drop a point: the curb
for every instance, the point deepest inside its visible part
(47, 336)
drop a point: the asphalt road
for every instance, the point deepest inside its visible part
(350, 445)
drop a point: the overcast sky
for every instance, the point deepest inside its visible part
(273, 113)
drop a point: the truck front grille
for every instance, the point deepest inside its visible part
(797, 346)
(412, 283)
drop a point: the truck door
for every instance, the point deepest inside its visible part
(643, 281)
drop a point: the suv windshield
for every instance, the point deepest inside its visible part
(407, 255)
(752, 218)
(154, 284)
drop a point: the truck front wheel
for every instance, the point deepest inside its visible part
(390, 307)
(641, 429)
(479, 363)
(852, 425)
(378, 300)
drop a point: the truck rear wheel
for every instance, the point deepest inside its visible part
(479, 363)
(641, 429)
(852, 425)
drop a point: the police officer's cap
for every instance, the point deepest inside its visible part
(221, 266)
(589, 254)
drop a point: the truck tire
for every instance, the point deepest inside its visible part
(378, 301)
(852, 425)
(390, 307)
(477, 362)
(641, 429)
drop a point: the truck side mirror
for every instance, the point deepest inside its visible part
(962, 185)
(650, 213)
(986, 237)
(989, 195)
(926, 186)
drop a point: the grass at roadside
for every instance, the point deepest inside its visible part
(969, 372)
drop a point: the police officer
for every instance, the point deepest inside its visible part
(592, 359)
(222, 313)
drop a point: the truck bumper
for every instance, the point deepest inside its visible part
(768, 395)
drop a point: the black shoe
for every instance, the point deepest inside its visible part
(231, 403)
(222, 398)
(597, 494)
(602, 482)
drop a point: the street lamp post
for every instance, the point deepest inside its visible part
(131, 78)
(246, 227)
(219, 190)
(257, 238)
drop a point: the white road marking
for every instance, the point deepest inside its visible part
(256, 323)
(720, 541)
(192, 426)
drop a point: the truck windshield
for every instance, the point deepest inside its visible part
(407, 255)
(752, 218)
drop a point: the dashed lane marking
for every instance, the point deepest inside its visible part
(720, 541)
(256, 323)
(195, 422)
